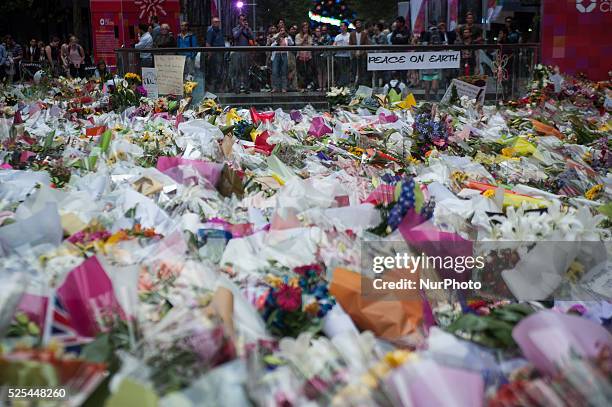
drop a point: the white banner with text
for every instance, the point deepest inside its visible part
(392, 61)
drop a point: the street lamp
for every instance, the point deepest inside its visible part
(240, 4)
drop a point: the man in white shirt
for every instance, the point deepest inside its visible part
(342, 57)
(145, 41)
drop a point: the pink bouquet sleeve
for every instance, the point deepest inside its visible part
(427, 383)
(209, 170)
(318, 128)
(548, 339)
(87, 295)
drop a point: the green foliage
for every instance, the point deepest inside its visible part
(493, 330)
(10, 6)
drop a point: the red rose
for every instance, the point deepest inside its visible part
(288, 298)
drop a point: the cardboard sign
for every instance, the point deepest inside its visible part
(391, 61)
(169, 70)
(465, 89)
(149, 81)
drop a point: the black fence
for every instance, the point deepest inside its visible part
(505, 70)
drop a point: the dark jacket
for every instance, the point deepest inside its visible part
(32, 56)
(401, 37)
(353, 38)
(450, 37)
(164, 41)
(214, 38)
(446, 38)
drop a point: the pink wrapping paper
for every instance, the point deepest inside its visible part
(383, 194)
(426, 237)
(436, 385)
(290, 221)
(387, 118)
(547, 338)
(35, 307)
(163, 115)
(318, 128)
(87, 295)
(209, 170)
(25, 155)
(237, 230)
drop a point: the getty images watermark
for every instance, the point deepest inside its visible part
(526, 271)
(407, 265)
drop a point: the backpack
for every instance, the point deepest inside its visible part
(394, 94)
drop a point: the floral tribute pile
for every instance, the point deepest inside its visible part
(185, 254)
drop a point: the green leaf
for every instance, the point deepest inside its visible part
(105, 140)
(606, 210)
(418, 197)
(132, 393)
(49, 141)
(397, 192)
(99, 350)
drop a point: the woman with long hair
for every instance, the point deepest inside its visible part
(76, 58)
(304, 60)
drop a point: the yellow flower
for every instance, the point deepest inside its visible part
(412, 160)
(459, 176)
(369, 380)
(508, 152)
(489, 193)
(356, 151)
(232, 117)
(133, 76)
(594, 192)
(278, 179)
(575, 272)
(188, 87)
(274, 281)
(397, 358)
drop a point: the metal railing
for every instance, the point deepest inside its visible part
(315, 69)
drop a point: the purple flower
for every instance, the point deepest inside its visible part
(141, 90)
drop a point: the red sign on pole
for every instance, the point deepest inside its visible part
(576, 36)
(115, 23)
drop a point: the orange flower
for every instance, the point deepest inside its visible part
(118, 237)
(167, 271)
(312, 308)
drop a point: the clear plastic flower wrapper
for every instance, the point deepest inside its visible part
(181, 347)
(315, 372)
(207, 254)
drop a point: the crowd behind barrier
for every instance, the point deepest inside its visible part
(290, 58)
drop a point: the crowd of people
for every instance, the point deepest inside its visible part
(284, 70)
(312, 70)
(66, 58)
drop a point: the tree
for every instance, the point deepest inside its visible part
(372, 11)
(337, 10)
(270, 11)
(76, 17)
(9, 6)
